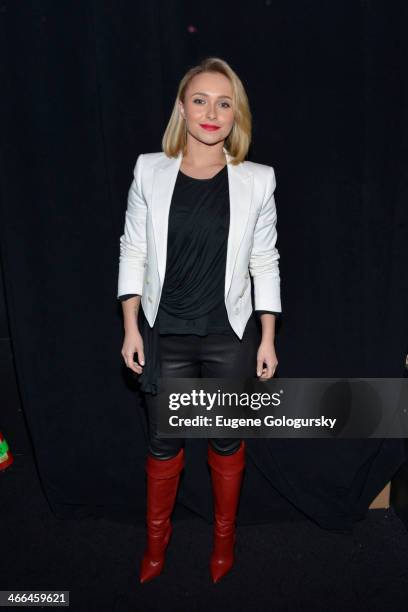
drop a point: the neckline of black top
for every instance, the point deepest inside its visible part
(193, 178)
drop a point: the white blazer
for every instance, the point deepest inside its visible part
(251, 239)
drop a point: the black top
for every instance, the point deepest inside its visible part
(192, 299)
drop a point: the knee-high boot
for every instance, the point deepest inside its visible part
(163, 477)
(226, 477)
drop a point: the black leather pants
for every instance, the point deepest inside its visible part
(211, 356)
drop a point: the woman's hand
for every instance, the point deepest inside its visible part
(133, 343)
(266, 355)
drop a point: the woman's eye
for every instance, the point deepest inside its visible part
(201, 100)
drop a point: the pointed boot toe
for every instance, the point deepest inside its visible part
(222, 558)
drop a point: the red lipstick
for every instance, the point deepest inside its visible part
(209, 127)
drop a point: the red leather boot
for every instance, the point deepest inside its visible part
(163, 477)
(226, 477)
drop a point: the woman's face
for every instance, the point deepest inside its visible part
(208, 102)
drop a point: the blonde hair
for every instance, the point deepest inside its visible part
(237, 143)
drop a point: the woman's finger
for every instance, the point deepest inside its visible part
(140, 357)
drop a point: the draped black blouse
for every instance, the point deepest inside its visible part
(192, 299)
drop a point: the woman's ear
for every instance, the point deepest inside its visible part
(181, 109)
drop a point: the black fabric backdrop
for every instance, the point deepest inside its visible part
(86, 87)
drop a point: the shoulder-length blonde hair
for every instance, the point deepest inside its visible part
(237, 143)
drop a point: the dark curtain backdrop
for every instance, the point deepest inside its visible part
(86, 87)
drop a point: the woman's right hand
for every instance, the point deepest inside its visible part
(133, 343)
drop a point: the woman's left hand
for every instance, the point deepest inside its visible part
(266, 355)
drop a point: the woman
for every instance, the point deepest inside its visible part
(199, 218)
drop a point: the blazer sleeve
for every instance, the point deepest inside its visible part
(133, 244)
(264, 257)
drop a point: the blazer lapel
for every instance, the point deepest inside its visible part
(164, 180)
(240, 182)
